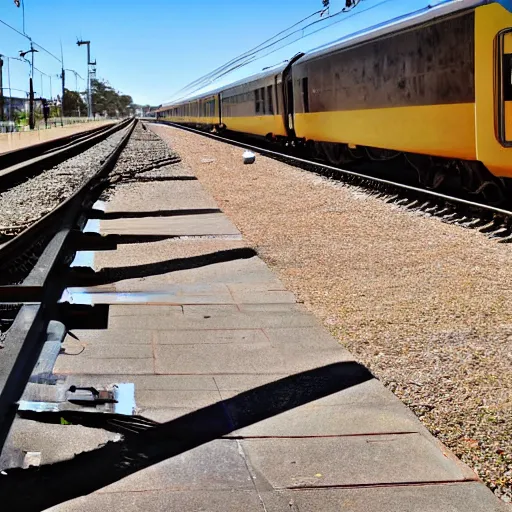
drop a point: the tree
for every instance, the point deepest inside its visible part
(74, 105)
(107, 101)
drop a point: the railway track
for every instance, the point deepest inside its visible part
(493, 221)
(24, 154)
(16, 240)
(32, 258)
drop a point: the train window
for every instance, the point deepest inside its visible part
(507, 77)
(305, 94)
(262, 98)
(270, 101)
(257, 100)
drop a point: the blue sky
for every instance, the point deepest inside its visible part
(151, 49)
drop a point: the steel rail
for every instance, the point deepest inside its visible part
(23, 241)
(43, 286)
(16, 156)
(361, 176)
(28, 168)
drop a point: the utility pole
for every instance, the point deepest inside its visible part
(89, 64)
(1, 89)
(32, 121)
(63, 78)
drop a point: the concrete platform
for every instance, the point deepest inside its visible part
(260, 409)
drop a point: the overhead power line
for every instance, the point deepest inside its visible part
(252, 55)
(15, 29)
(235, 61)
(48, 52)
(30, 39)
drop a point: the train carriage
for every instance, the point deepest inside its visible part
(437, 84)
(258, 105)
(201, 111)
(434, 87)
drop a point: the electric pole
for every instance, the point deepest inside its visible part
(1, 89)
(89, 64)
(63, 78)
(32, 121)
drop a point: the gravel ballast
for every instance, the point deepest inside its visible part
(145, 156)
(424, 304)
(27, 202)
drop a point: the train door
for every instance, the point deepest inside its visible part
(505, 87)
(289, 104)
(218, 101)
(287, 84)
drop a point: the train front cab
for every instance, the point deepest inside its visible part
(493, 87)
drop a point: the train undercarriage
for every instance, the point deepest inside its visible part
(468, 179)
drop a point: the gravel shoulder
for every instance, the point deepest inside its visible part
(425, 305)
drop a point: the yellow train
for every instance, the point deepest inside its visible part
(434, 87)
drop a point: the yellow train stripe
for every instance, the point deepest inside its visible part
(194, 120)
(441, 130)
(256, 125)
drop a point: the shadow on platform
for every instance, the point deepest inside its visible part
(98, 214)
(38, 488)
(84, 276)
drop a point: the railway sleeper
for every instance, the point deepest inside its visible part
(489, 227)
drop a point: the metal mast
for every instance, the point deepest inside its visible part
(89, 64)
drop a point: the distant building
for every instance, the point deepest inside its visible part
(145, 111)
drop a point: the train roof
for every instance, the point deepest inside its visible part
(426, 14)
(274, 70)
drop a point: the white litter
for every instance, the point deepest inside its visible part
(249, 157)
(31, 459)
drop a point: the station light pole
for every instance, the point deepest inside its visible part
(1, 89)
(89, 64)
(32, 121)
(63, 83)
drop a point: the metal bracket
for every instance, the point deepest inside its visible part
(91, 396)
